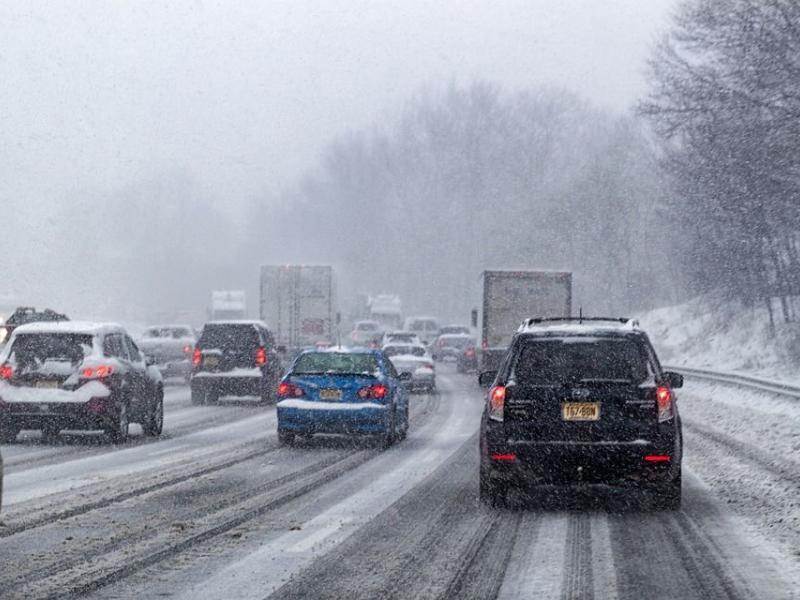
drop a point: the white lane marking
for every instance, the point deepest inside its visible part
(268, 567)
(536, 567)
(604, 572)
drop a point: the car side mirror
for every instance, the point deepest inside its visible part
(486, 378)
(673, 379)
(405, 376)
(149, 361)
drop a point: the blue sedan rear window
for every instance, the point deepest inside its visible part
(340, 363)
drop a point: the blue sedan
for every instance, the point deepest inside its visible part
(342, 391)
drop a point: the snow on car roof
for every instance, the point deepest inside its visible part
(168, 326)
(578, 328)
(79, 327)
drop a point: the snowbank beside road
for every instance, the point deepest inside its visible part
(725, 336)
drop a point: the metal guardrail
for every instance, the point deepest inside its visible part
(746, 381)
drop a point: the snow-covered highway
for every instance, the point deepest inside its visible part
(216, 509)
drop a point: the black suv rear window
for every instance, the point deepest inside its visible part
(229, 337)
(35, 349)
(568, 360)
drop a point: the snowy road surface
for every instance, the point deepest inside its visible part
(216, 509)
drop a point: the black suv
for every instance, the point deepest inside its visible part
(71, 375)
(235, 358)
(581, 402)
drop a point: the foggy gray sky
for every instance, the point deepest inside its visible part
(242, 95)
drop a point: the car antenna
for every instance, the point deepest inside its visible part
(580, 315)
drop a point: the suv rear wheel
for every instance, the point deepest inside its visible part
(153, 423)
(285, 438)
(491, 492)
(118, 430)
(666, 496)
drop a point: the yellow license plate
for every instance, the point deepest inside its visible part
(211, 361)
(580, 411)
(46, 384)
(330, 394)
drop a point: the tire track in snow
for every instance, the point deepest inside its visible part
(578, 583)
(119, 558)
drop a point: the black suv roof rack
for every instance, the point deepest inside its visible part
(580, 319)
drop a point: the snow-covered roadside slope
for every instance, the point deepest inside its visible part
(704, 333)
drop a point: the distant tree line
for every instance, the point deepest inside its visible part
(469, 178)
(725, 100)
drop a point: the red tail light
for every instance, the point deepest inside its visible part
(497, 402)
(470, 353)
(97, 372)
(657, 458)
(504, 457)
(6, 372)
(376, 391)
(187, 349)
(197, 357)
(290, 390)
(664, 401)
(261, 356)
(484, 344)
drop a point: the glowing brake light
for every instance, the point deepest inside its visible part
(261, 356)
(97, 372)
(187, 349)
(664, 402)
(377, 391)
(497, 402)
(657, 458)
(504, 456)
(470, 353)
(197, 357)
(6, 372)
(290, 390)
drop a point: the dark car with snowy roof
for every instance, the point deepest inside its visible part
(577, 403)
(235, 358)
(77, 376)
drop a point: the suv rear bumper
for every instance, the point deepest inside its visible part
(228, 385)
(96, 414)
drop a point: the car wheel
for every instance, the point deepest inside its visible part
(118, 431)
(8, 434)
(285, 438)
(390, 436)
(666, 496)
(50, 433)
(154, 421)
(491, 492)
(403, 433)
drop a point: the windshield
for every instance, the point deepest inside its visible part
(336, 363)
(558, 361)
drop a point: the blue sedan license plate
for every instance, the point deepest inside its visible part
(330, 394)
